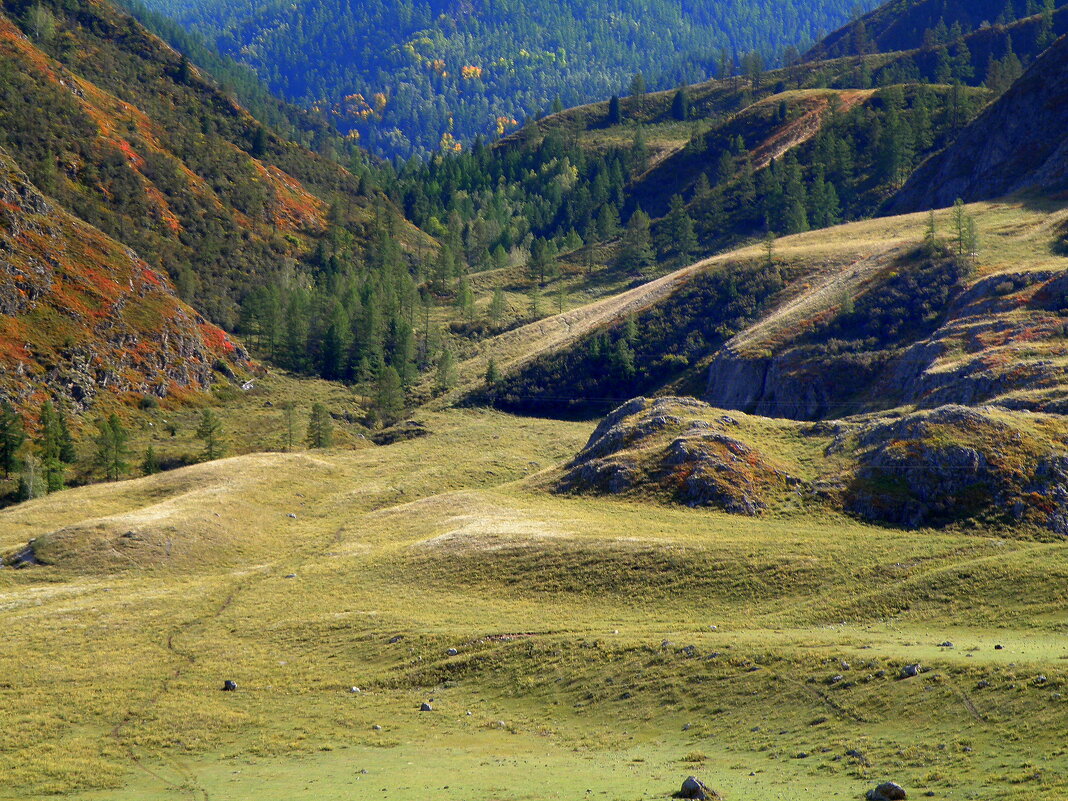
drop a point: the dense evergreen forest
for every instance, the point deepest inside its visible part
(408, 77)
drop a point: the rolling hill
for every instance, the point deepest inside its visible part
(789, 517)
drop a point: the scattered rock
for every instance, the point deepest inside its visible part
(910, 671)
(377, 727)
(396, 639)
(425, 707)
(685, 726)
(946, 644)
(291, 516)
(451, 652)
(887, 791)
(229, 686)
(694, 788)
(999, 647)
(291, 575)
(355, 690)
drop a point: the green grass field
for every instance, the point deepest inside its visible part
(603, 648)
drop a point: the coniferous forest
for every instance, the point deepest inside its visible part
(410, 77)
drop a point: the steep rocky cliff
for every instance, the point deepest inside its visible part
(1016, 144)
(81, 314)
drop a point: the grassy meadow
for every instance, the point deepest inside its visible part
(573, 647)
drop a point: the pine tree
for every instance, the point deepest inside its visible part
(615, 113)
(67, 452)
(320, 427)
(497, 306)
(210, 431)
(112, 450)
(289, 411)
(12, 435)
(49, 446)
(622, 359)
(540, 260)
(445, 375)
(678, 229)
(493, 375)
(535, 301)
(636, 253)
(930, 235)
(389, 396)
(680, 105)
(465, 299)
(259, 142)
(637, 93)
(150, 464)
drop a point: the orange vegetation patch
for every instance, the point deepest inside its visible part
(804, 127)
(216, 339)
(163, 209)
(294, 208)
(13, 42)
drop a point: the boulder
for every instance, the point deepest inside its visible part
(694, 788)
(229, 686)
(425, 707)
(887, 791)
(910, 671)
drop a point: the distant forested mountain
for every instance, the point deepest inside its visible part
(408, 76)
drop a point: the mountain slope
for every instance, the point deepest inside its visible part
(405, 75)
(904, 24)
(81, 314)
(141, 145)
(1017, 143)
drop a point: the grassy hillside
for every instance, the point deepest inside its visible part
(848, 298)
(601, 644)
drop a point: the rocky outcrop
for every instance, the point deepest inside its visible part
(955, 463)
(1017, 143)
(81, 314)
(676, 447)
(971, 354)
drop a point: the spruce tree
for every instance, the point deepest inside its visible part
(636, 253)
(49, 447)
(150, 464)
(680, 105)
(320, 427)
(615, 113)
(210, 432)
(12, 435)
(112, 450)
(389, 396)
